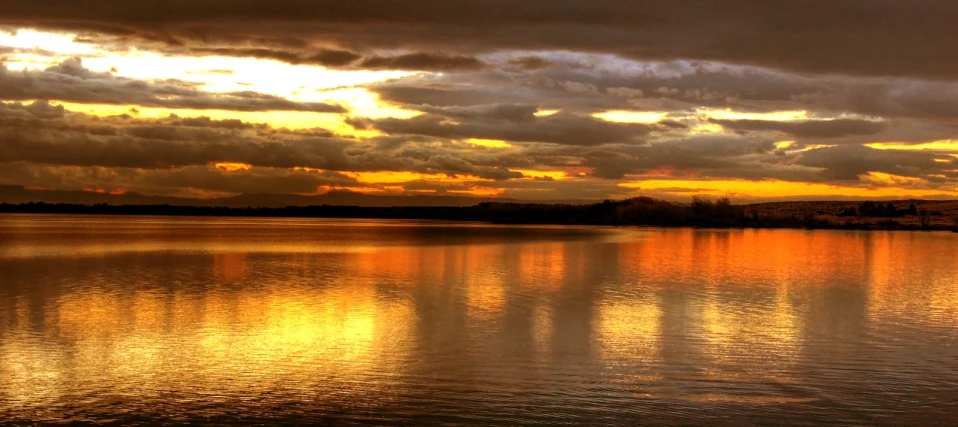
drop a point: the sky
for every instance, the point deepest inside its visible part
(533, 100)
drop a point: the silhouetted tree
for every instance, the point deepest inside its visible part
(924, 218)
(849, 212)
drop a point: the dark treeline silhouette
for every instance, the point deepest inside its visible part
(873, 209)
(701, 212)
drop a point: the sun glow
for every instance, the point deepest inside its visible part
(298, 82)
(783, 145)
(293, 120)
(489, 143)
(729, 114)
(942, 145)
(59, 43)
(215, 74)
(623, 116)
(361, 102)
(545, 113)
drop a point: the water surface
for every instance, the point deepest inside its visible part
(211, 320)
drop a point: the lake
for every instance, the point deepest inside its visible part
(225, 320)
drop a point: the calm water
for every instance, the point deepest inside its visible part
(128, 320)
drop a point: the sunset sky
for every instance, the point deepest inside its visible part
(544, 100)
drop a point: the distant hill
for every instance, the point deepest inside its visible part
(15, 194)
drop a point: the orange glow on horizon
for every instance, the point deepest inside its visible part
(479, 191)
(788, 189)
(115, 192)
(398, 177)
(331, 188)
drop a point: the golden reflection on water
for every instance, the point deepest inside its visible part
(891, 271)
(698, 316)
(630, 330)
(246, 343)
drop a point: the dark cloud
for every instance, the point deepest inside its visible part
(531, 63)
(807, 128)
(69, 81)
(894, 98)
(336, 58)
(890, 38)
(324, 57)
(508, 112)
(45, 145)
(157, 148)
(35, 110)
(423, 61)
(851, 162)
(559, 128)
(186, 181)
(413, 94)
(255, 180)
(691, 156)
(39, 133)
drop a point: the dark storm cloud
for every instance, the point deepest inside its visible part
(880, 37)
(851, 162)
(40, 133)
(324, 57)
(422, 61)
(696, 155)
(70, 82)
(507, 112)
(895, 98)
(411, 93)
(807, 128)
(338, 58)
(177, 181)
(597, 88)
(566, 129)
(256, 180)
(854, 110)
(79, 149)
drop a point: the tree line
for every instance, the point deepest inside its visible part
(639, 211)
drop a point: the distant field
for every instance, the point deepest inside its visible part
(941, 213)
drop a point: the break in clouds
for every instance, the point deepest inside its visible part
(532, 100)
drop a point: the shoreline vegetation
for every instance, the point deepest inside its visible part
(639, 211)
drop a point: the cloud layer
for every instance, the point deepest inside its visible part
(540, 100)
(875, 38)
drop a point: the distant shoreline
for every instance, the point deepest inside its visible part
(632, 212)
